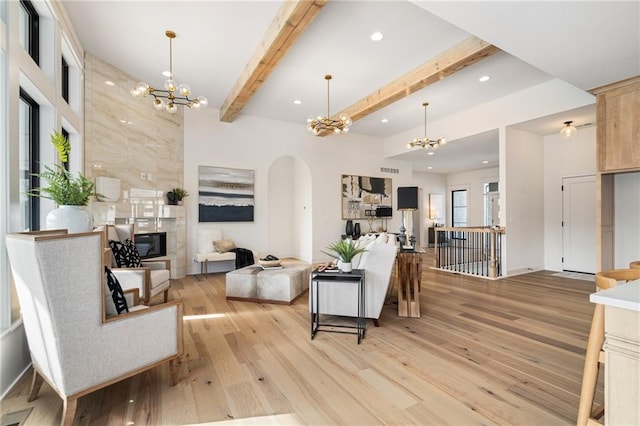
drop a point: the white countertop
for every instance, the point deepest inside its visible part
(625, 296)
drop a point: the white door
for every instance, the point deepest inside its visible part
(579, 224)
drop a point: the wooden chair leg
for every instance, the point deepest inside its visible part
(36, 383)
(166, 295)
(591, 364)
(69, 407)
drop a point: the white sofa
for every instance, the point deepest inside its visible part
(341, 298)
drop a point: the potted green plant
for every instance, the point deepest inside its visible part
(70, 193)
(176, 195)
(344, 250)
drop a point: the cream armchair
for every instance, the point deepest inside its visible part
(75, 347)
(150, 280)
(339, 298)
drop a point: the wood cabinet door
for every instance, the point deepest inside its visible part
(619, 126)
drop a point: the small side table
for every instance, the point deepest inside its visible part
(409, 282)
(356, 276)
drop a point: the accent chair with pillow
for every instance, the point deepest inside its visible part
(75, 345)
(340, 298)
(151, 277)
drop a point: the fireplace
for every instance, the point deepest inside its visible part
(151, 244)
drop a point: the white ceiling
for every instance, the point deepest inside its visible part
(585, 43)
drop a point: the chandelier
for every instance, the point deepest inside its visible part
(426, 142)
(173, 94)
(321, 124)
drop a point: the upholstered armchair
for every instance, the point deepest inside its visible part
(153, 278)
(340, 298)
(75, 346)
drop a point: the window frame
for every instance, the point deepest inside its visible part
(33, 30)
(455, 223)
(33, 221)
(65, 80)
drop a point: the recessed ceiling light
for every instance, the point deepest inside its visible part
(430, 153)
(384, 120)
(166, 73)
(297, 102)
(377, 36)
(429, 168)
(485, 162)
(109, 83)
(484, 78)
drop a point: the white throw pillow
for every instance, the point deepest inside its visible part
(382, 238)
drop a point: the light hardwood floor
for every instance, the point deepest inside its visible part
(507, 352)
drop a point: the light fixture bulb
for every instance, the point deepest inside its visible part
(184, 90)
(171, 108)
(202, 101)
(158, 104)
(568, 131)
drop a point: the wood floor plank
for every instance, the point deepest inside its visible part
(507, 351)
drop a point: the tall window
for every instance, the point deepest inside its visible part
(459, 207)
(65, 80)
(29, 157)
(29, 29)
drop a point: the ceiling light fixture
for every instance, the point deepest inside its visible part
(426, 142)
(568, 131)
(384, 120)
(297, 102)
(168, 99)
(484, 78)
(320, 124)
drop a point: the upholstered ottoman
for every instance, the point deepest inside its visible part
(283, 286)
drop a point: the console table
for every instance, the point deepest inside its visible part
(357, 277)
(409, 282)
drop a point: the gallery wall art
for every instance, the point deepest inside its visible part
(225, 195)
(362, 193)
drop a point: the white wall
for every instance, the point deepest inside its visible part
(255, 143)
(473, 181)
(523, 190)
(430, 183)
(563, 158)
(627, 218)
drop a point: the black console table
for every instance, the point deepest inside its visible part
(356, 276)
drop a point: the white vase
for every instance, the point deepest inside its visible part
(73, 218)
(344, 266)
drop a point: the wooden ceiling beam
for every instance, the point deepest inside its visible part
(462, 55)
(290, 22)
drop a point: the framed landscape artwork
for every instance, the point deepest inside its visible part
(225, 195)
(362, 193)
